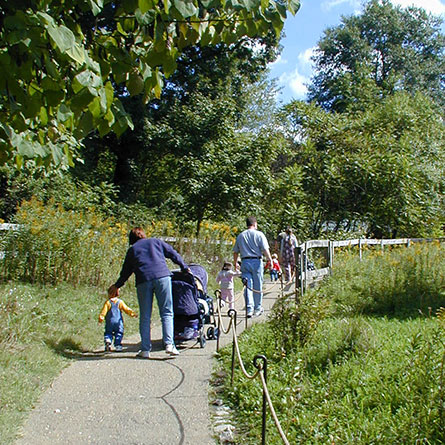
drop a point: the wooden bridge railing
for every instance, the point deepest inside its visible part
(306, 276)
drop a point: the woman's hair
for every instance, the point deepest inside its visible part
(136, 234)
(227, 266)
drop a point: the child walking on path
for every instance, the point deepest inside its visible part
(274, 268)
(114, 322)
(225, 280)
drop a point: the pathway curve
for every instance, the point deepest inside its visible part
(115, 398)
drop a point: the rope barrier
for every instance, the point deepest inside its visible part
(261, 368)
(272, 411)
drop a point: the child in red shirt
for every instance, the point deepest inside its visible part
(274, 268)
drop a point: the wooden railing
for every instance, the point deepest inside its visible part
(306, 277)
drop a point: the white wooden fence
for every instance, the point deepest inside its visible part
(306, 277)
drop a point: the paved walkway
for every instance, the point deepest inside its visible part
(116, 398)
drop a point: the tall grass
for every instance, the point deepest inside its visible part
(54, 245)
(400, 281)
(359, 361)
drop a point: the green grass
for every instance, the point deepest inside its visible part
(42, 330)
(359, 361)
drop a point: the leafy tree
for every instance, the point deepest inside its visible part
(286, 202)
(383, 50)
(382, 167)
(62, 61)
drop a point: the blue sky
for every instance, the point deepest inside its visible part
(293, 68)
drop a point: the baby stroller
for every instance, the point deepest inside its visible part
(192, 307)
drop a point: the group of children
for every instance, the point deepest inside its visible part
(112, 310)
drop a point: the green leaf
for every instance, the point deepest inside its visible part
(43, 116)
(169, 66)
(77, 53)
(86, 79)
(81, 100)
(64, 113)
(186, 8)
(293, 6)
(96, 6)
(62, 36)
(145, 5)
(56, 153)
(95, 108)
(135, 84)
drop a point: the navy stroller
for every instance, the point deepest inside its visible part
(192, 307)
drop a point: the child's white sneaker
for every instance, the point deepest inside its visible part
(107, 345)
(171, 349)
(118, 348)
(143, 354)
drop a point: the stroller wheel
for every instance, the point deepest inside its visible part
(216, 333)
(211, 333)
(202, 341)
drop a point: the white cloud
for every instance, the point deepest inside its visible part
(304, 58)
(329, 4)
(436, 7)
(297, 79)
(296, 82)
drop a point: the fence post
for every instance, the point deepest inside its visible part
(263, 367)
(218, 297)
(232, 314)
(331, 256)
(297, 272)
(360, 248)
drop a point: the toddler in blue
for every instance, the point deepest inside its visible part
(114, 322)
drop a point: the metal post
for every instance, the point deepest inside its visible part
(218, 302)
(297, 273)
(262, 367)
(232, 314)
(360, 248)
(302, 276)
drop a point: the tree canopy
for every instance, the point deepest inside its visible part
(65, 64)
(382, 167)
(384, 49)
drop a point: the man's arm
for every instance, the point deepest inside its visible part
(235, 260)
(268, 256)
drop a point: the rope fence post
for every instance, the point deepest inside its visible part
(262, 367)
(218, 302)
(232, 314)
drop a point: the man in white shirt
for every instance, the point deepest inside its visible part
(251, 245)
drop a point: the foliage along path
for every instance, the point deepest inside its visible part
(115, 398)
